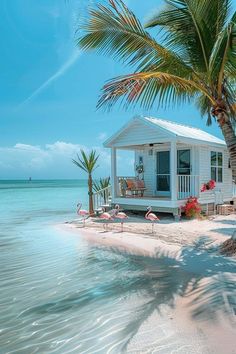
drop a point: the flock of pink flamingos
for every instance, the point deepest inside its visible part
(116, 214)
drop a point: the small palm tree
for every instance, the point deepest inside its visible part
(88, 163)
(101, 185)
(193, 60)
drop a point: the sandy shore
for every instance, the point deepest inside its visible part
(167, 233)
(202, 318)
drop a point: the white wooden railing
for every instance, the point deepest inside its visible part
(188, 186)
(102, 197)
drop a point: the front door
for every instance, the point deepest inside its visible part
(163, 173)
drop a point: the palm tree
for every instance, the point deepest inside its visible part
(88, 163)
(195, 59)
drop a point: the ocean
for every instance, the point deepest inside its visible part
(60, 294)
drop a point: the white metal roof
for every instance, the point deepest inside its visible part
(186, 131)
(172, 129)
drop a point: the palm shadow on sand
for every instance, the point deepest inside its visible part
(160, 280)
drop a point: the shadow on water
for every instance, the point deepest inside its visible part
(160, 280)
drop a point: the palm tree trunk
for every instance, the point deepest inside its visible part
(230, 138)
(90, 193)
(229, 246)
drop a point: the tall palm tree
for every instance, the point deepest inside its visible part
(192, 59)
(88, 163)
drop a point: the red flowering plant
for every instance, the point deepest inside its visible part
(208, 186)
(192, 208)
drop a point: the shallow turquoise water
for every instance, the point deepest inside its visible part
(58, 294)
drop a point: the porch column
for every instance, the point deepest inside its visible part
(113, 172)
(173, 171)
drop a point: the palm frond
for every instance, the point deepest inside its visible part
(146, 87)
(101, 184)
(115, 31)
(195, 57)
(192, 26)
(223, 57)
(87, 163)
(204, 105)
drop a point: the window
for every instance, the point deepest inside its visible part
(183, 162)
(217, 166)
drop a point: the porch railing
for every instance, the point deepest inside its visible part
(188, 185)
(102, 197)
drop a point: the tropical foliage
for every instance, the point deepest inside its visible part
(101, 184)
(88, 163)
(101, 187)
(195, 58)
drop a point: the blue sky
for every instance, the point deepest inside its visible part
(49, 90)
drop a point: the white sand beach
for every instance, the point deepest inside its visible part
(202, 317)
(168, 234)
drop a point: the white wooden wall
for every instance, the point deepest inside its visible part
(140, 135)
(205, 174)
(149, 170)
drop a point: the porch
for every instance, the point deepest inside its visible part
(187, 186)
(164, 175)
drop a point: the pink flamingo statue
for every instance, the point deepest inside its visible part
(82, 212)
(105, 216)
(151, 217)
(120, 215)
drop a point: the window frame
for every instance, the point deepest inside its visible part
(217, 167)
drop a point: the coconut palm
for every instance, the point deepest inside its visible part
(88, 163)
(194, 60)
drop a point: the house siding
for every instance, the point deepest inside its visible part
(139, 134)
(149, 170)
(224, 188)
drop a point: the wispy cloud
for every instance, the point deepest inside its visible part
(60, 72)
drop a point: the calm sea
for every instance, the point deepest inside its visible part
(58, 294)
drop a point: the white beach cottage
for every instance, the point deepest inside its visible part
(172, 162)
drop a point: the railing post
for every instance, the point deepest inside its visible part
(113, 173)
(173, 170)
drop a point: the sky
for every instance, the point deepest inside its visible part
(49, 90)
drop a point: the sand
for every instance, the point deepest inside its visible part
(202, 318)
